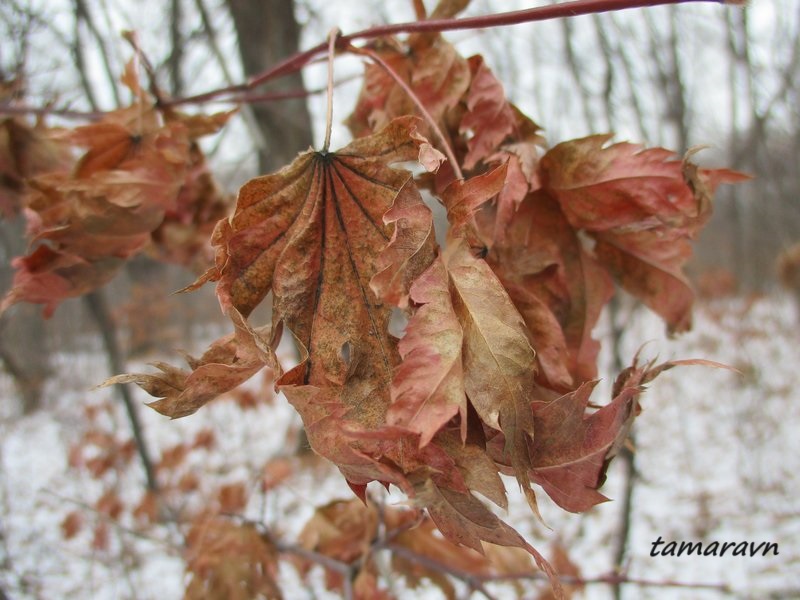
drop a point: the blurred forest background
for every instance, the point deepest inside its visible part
(675, 76)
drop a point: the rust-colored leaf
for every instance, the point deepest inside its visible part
(571, 447)
(499, 363)
(489, 115)
(463, 198)
(462, 518)
(228, 362)
(430, 65)
(139, 168)
(558, 287)
(25, 151)
(72, 524)
(643, 207)
(428, 386)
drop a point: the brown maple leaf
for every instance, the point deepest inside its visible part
(643, 207)
(438, 75)
(25, 151)
(558, 287)
(228, 362)
(228, 561)
(498, 360)
(138, 167)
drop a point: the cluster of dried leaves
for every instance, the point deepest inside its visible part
(497, 364)
(141, 183)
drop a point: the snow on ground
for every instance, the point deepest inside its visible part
(717, 455)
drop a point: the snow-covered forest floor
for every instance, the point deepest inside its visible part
(717, 458)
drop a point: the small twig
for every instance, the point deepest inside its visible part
(473, 580)
(332, 37)
(98, 309)
(417, 102)
(142, 59)
(346, 570)
(115, 523)
(49, 110)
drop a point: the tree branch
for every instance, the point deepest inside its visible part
(542, 13)
(95, 303)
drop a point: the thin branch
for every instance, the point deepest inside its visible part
(418, 103)
(96, 304)
(346, 570)
(542, 13)
(82, 12)
(80, 59)
(473, 579)
(48, 110)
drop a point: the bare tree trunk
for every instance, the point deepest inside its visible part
(268, 32)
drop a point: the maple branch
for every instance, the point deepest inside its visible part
(346, 570)
(475, 580)
(541, 13)
(451, 157)
(116, 524)
(333, 35)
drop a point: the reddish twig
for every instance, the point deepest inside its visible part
(417, 102)
(542, 13)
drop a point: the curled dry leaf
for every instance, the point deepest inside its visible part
(642, 207)
(228, 362)
(428, 386)
(430, 65)
(558, 287)
(139, 168)
(499, 362)
(25, 151)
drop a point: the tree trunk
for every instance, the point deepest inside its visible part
(267, 32)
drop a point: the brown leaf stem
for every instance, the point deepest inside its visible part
(332, 37)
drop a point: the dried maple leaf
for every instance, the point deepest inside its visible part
(571, 448)
(25, 151)
(464, 519)
(227, 363)
(462, 198)
(489, 116)
(642, 207)
(435, 71)
(137, 168)
(557, 286)
(314, 236)
(499, 362)
(342, 529)
(428, 386)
